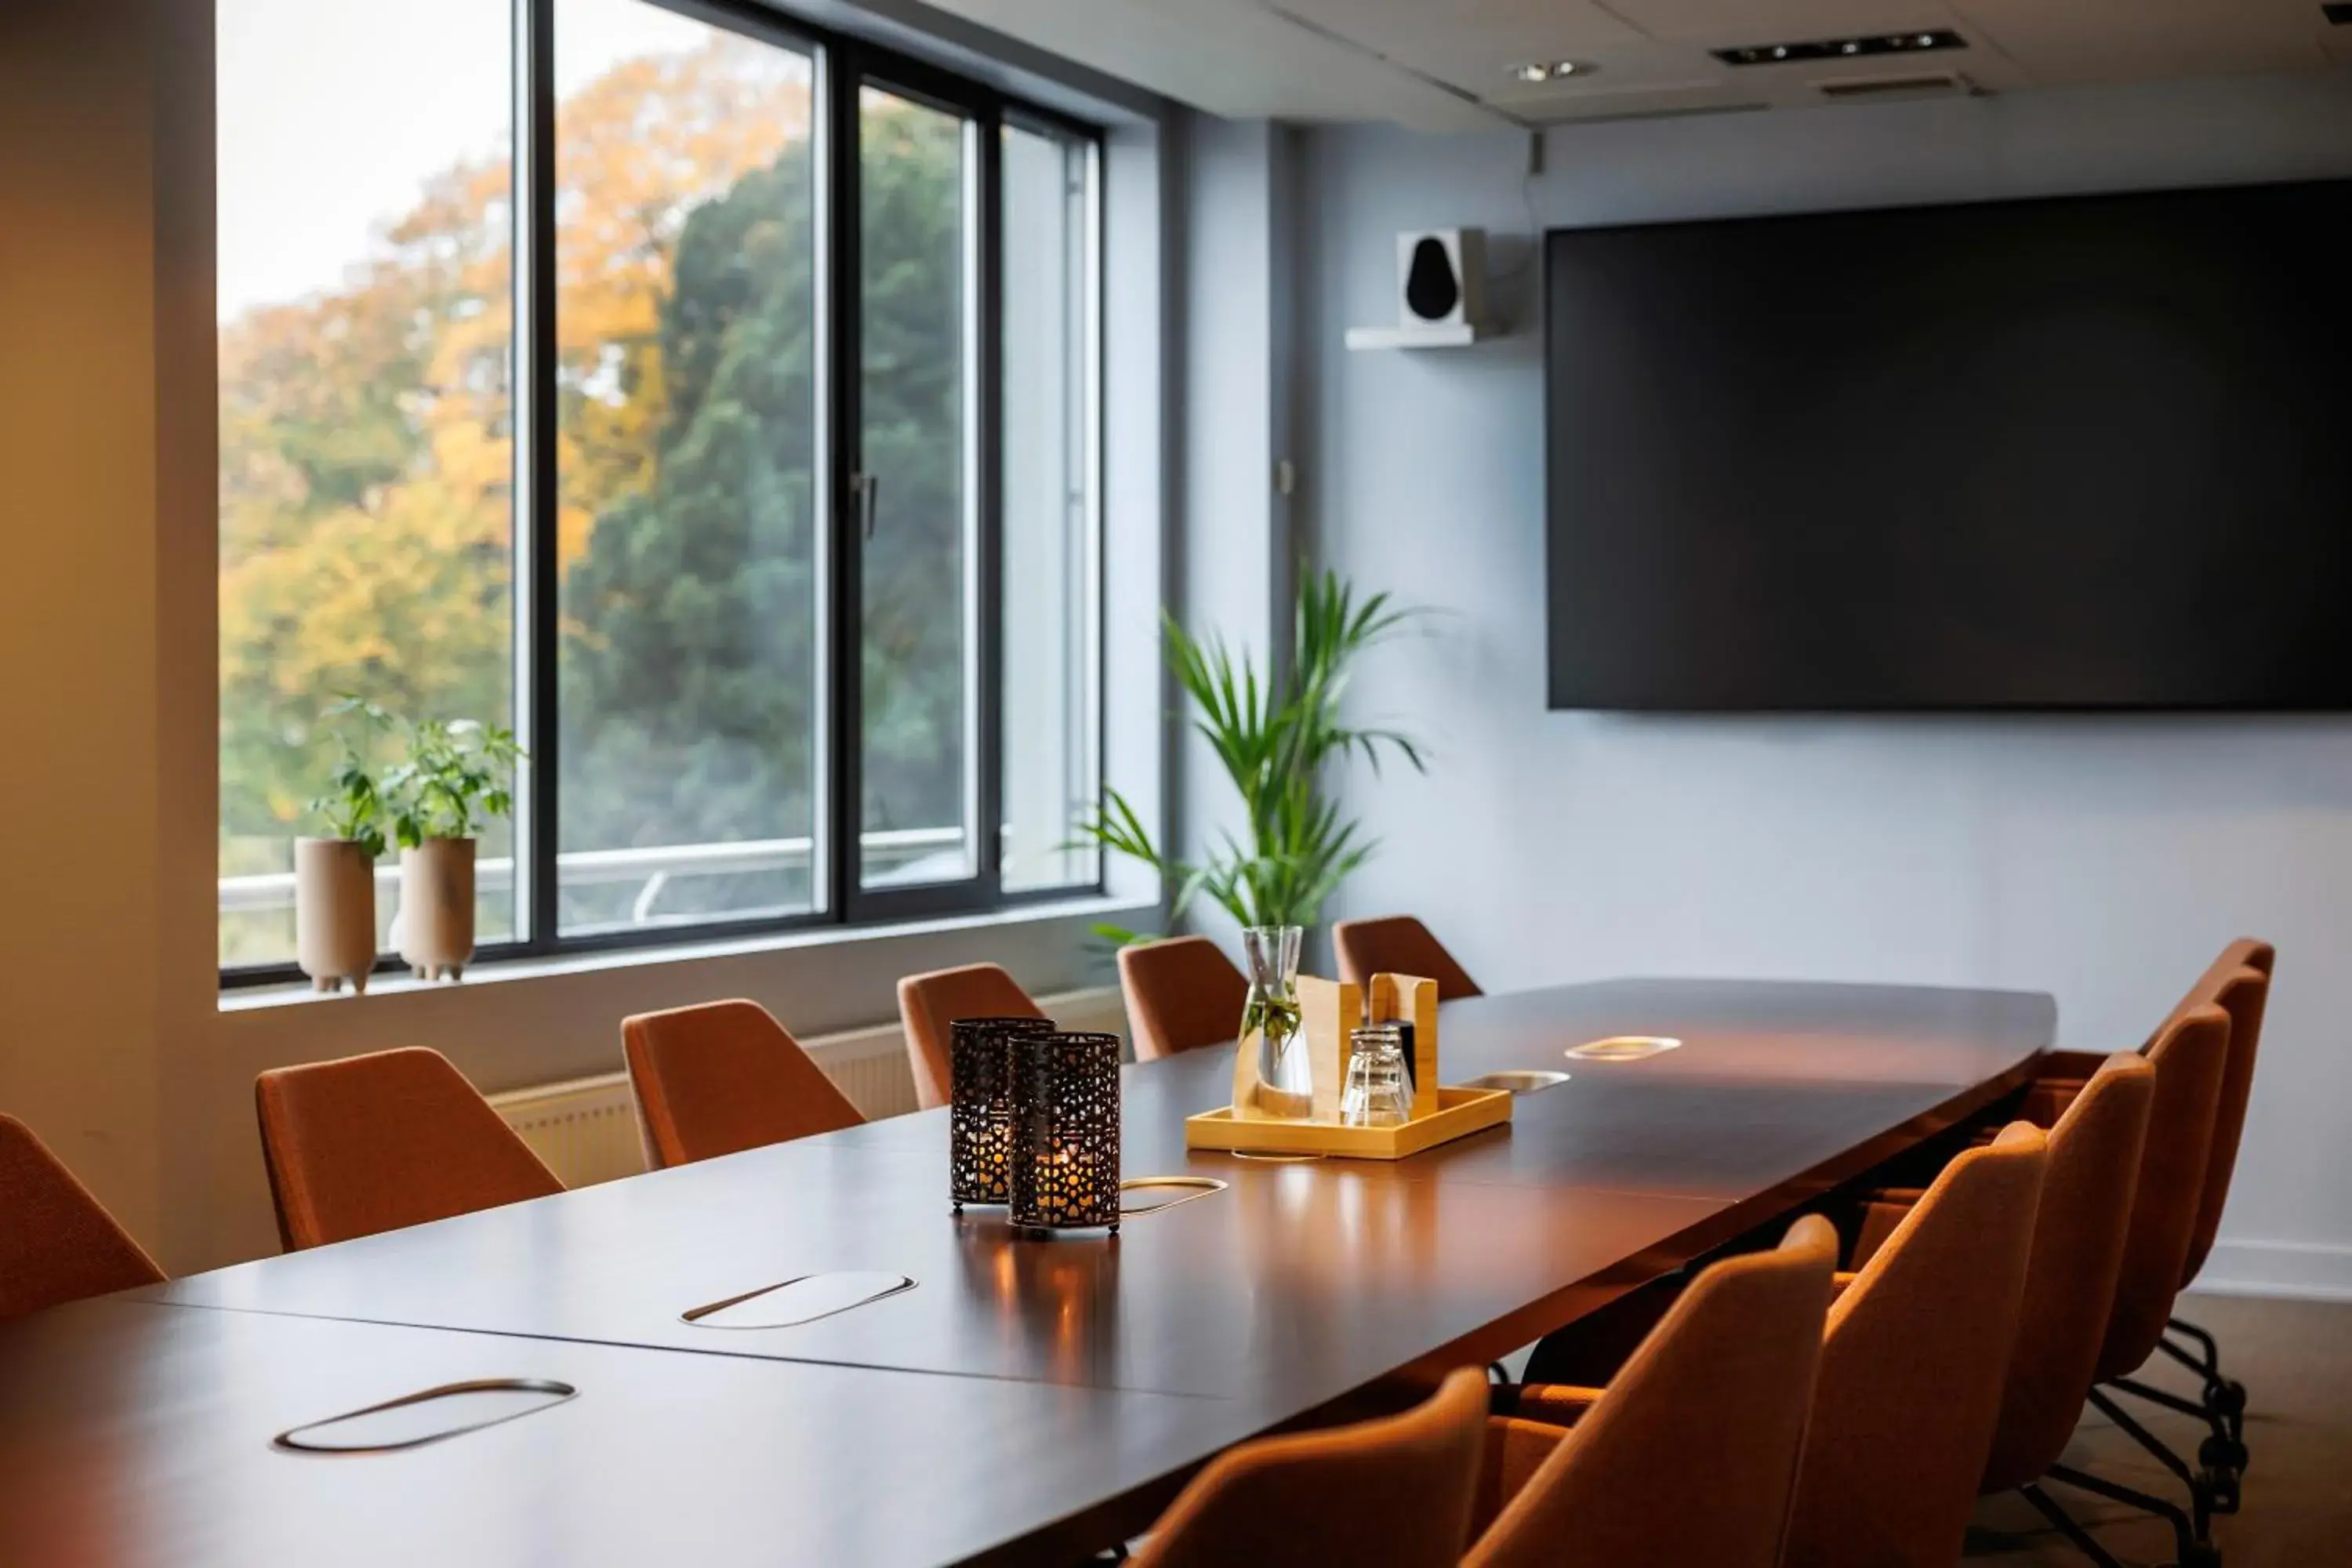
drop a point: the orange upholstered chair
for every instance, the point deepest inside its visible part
(1912, 1361)
(1393, 1493)
(1689, 1455)
(1398, 945)
(2239, 983)
(375, 1142)
(722, 1076)
(2189, 1054)
(1913, 1365)
(1182, 993)
(928, 1004)
(2069, 1279)
(58, 1243)
(2079, 1236)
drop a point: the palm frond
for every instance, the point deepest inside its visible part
(1273, 740)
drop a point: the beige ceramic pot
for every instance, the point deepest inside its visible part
(436, 907)
(334, 913)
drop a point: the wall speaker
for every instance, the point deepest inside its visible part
(1440, 277)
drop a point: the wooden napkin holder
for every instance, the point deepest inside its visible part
(1329, 1013)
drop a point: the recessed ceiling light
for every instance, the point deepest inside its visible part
(1842, 48)
(1539, 71)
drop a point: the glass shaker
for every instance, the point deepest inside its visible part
(1377, 1092)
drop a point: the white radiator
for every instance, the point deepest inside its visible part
(586, 1129)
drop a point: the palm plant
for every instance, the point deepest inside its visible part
(1273, 738)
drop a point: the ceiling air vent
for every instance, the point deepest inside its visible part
(1571, 113)
(1942, 84)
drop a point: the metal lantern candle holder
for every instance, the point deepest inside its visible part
(980, 1107)
(1065, 1131)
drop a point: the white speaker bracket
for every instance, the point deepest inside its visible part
(1441, 292)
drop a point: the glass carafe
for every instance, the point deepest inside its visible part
(1377, 1093)
(1270, 1020)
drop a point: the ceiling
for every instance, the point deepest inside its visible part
(1444, 65)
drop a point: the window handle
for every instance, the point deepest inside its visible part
(869, 497)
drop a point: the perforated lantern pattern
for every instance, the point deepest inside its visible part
(1065, 1131)
(980, 1107)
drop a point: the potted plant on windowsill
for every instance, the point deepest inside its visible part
(334, 881)
(457, 774)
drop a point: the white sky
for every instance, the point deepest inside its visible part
(333, 113)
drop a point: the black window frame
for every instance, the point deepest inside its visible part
(841, 64)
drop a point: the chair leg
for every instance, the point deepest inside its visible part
(2220, 1457)
(2068, 1526)
(2200, 1485)
(2190, 1550)
(2224, 1395)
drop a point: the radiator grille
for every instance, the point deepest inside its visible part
(586, 1129)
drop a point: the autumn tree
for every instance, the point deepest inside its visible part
(367, 471)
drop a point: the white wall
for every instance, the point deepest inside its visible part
(2103, 861)
(1232, 577)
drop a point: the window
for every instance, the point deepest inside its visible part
(919, 484)
(1052, 634)
(366, 412)
(745, 461)
(686, 405)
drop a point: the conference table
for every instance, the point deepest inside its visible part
(937, 1389)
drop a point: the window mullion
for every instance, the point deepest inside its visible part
(988, 303)
(838, 318)
(537, 480)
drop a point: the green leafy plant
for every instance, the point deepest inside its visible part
(457, 774)
(355, 808)
(1273, 738)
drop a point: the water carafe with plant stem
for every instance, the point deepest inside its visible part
(1270, 1021)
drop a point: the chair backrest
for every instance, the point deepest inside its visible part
(2188, 1055)
(928, 1004)
(1392, 1493)
(58, 1243)
(1912, 1366)
(2070, 1278)
(722, 1076)
(2239, 983)
(1690, 1455)
(1182, 993)
(1398, 945)
(375, 1142)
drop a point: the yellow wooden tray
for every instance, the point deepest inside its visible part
(1460, 1112)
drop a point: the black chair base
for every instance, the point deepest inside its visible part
(2206, 1488)
(2190, 1548)
(2068, 1526)
(2222, 1457)
(2224, 1397)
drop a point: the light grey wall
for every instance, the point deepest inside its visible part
(1232, 577)
(2105, 860)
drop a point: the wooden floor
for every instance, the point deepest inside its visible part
(2295, 1360)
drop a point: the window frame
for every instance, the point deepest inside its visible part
(840, 65)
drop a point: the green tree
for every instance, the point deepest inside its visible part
(367, 474)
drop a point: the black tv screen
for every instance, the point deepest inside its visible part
(2078, 453)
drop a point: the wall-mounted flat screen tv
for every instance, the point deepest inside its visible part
(2063, 454)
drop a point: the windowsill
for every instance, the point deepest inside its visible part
(1094, 906)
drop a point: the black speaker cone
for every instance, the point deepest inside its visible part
(1431, 290)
